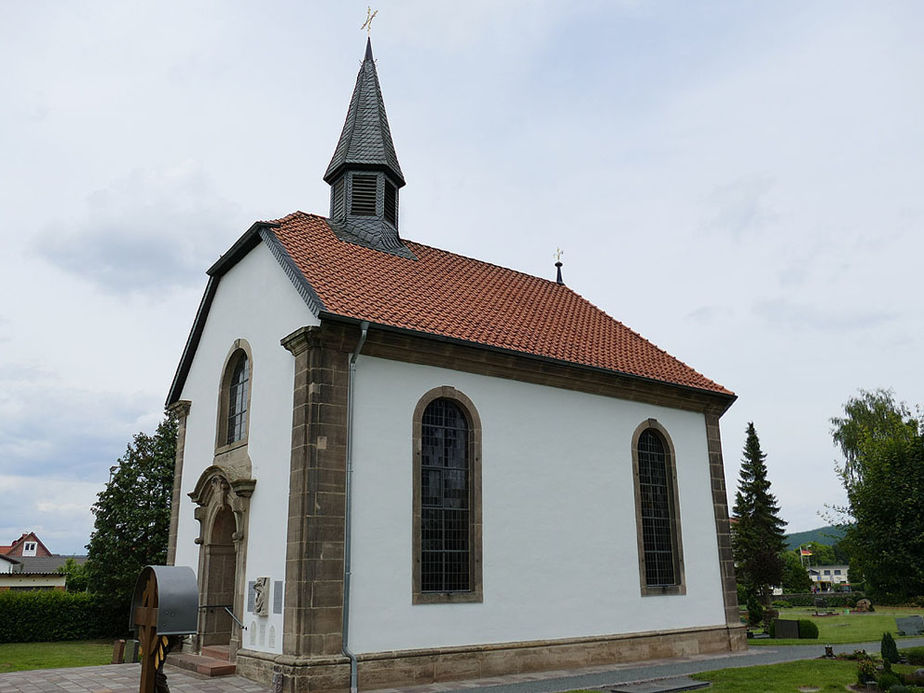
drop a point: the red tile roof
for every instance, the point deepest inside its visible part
(445, 294)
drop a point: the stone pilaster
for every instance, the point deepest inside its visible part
(179, 409)
(313, 607)
(720, 505)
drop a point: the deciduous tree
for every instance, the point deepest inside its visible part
(757, 536)
(883, 474)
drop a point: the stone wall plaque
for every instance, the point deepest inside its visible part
(277, 597)
(261, 598)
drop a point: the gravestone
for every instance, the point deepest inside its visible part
(786, 628)
(910, 625)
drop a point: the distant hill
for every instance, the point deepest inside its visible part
(828, 536)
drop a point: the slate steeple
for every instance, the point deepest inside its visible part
(364, 173)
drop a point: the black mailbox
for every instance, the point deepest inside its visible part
(177, 599)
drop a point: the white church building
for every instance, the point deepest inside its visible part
(398, 465)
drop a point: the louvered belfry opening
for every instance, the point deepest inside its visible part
(337, 200)
(364, 194)
(391, 203)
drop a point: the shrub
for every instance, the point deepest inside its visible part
(807, 629)
(888, 649)
(915, 655)
(770, 615)
(866, 671)
(755, 611)
(887, 680)
(782, 604)
(43, 616)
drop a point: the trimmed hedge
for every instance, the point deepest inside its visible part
(808, 630)
(832, 599)
(50, 615)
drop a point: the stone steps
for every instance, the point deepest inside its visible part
(203, 664)
(217, 652)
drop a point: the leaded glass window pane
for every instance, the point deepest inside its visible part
(445, 520)
(237, 400)
(657, 521)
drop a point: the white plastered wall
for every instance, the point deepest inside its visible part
(254, 301)
(560, 545)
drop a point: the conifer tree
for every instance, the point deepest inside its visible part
(133, 514)
(757, 537)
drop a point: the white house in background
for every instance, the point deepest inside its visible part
(27, 564)
(828, 577)
(403, 465)
(7, 564)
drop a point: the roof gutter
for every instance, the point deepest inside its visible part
(347, 521)
(727, 399)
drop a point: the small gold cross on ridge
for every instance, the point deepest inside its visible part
(367, 25)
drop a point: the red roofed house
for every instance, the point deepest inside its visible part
(27, 564)
(27, 545)
(400, 465)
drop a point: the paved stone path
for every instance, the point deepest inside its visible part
(119, 678)
(123, 678)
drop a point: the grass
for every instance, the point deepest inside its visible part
(840, 629)
(23, 656)
(788, 677)
(783, 678)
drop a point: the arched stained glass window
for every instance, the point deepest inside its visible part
(237, 399)
(656, 512)
(445, 503)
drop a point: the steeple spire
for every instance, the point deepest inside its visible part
(364, 173)
(365, 141)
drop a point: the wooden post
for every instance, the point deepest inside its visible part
(146, 620)
(118, 652)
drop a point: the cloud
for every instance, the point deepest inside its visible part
(785, 313)
(57, 509)
(60, 431)
(709, 314)
(740, 207)
(151, 229)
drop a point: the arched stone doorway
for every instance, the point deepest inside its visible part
(218, 578)
(222, 512)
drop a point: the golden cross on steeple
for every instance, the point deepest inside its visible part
(367, 25)
(558, 254)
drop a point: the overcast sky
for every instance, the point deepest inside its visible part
(740, 182)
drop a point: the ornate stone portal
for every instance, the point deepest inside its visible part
(223, 505)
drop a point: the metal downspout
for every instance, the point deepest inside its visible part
(347, 523)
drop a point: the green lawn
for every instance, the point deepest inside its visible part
(843, 629)
(788, 677)
(783, 678)
(21, 656)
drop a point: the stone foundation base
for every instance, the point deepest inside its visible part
(417, 667)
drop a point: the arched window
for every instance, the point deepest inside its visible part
(445, 540)
(234, 399)
(447, 499)
(657, 514)
(238, 397)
